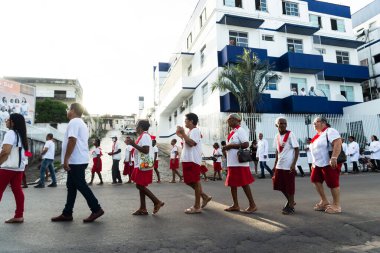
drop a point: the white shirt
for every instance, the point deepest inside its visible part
(116, 147)
(375, 147)
(344, 147)
(193, 154)
(173, 152)
(286, 157)
(319, 149)
(218, 152)
(127, 152)
(11, 139)
(302, 93)
(155, 150)
(308, 154)
(77, 129)
(262, 150)
(95, 152)
(145, 140)
(50, 145)
(354, 150)
(240, 136)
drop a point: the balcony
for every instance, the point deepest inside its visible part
(298, 29)
(300, 63)
(345, 72)
(228, 19)
(230, 54)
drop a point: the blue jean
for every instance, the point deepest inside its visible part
(263, 165)
(49, 164)
(76, 182)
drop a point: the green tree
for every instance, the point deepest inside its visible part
(51, 111)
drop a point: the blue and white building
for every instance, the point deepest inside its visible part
(310, 43)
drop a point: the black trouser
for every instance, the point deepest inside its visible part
(376, 164)
(301, 170)
(355, 167)
(345, 167)
(263, 165)
(116, 177)
(76, 182)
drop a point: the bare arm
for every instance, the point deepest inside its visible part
(294, 163)
(236, 146)
(5, 152)
(44, 151)
(69, 150)
(337, 147)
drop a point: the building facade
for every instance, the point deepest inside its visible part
(366, 23)
(67, 91)
(309, 43)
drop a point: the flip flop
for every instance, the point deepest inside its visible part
(15, 220)
(140, 212)
(247, 211)
(331, 209)
(157, 207)
(205, 202)
(232, 209)
(193, 210)
(321, 207)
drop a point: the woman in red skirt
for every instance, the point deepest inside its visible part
(128, 162)
(217, 154)
(174, 161)
(97, 167)
(239, 174)
(143, 172)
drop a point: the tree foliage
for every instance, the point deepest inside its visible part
(246, 80)
(51, 111)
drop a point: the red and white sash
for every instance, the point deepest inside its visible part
(280, 145)
(232, 133)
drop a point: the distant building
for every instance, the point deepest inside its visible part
(366, 23)
(66, 90)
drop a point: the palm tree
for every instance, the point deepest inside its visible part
(246, 80)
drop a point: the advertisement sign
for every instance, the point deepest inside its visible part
(17, 98)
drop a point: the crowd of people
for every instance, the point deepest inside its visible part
(141, 160)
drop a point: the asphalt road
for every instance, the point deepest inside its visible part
(357, 229)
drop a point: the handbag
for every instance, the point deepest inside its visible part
(146, 162)
(14, 158)
(342, 158)
(244, 155)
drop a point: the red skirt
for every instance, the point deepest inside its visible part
(174, 164)
(284, 181)
(141, 177)
(155, 165)
(217, 166)
(128, 168)
(239, 176)
(96, 167)
(203, 169)
(191, 172)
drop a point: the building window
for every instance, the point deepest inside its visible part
(272, 84)
(325, 89)
(267, 37)
(261, 5)
(321, 50)
(290, 8)
(203, 55)
(239, 39)
(376, 59)
(60, 94)
(297, 84)
(342, 57)
(337, 25)
(233, 3)
(189, 40)
(189, 70)
(204, 93)
(315, 20)
(347, 92)
(364, 62)
(190, 102)
(202, 18)
(295, 46)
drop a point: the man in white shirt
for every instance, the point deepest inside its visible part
(75, 161)
(48, 154)
(345, 149)
(156, 160)
(191, 161)
(116, 156)
(262, 155)
(353, 152)
(302, 92)
(374, 148)
(287, 151)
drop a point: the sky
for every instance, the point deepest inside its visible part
(110, 46)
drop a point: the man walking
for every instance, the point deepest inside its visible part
(48, 154)
(75, 161)
(353, 152)
(262, 155)
(116, 156)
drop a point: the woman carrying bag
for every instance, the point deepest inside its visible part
(12, 163)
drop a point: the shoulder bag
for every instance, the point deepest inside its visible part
(342, 158)
(14, 158)
(244, 155)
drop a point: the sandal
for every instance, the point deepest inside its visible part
(157, 207)
(249, 211)
(232, 209)
(332, 209)
(140, 212)
(205, 202)
(321, 207)
(288, 210)
(193, 210)
(15, 220)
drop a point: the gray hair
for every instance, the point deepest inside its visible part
(322, 119)
(235, 116)
(280, 118)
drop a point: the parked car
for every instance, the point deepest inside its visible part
(128, 131)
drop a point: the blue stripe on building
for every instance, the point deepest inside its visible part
(329, 8)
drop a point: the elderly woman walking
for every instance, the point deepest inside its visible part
(239, 174)
(326, 168)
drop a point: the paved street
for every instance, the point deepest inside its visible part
(355, 230)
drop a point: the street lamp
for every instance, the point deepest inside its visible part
(307, 123)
